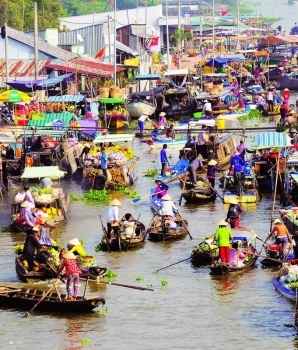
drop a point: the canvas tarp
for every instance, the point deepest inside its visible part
(42, 171)
(271, 140)
(220, 60)
(279, 39)
(49, 118)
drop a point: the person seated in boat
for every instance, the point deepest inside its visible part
(74, 246)
(207, 109)
(168, 209)
(234, 213)
(193, 167)
(30, 245)
(155, 133)
(28, 196)
(237, 162)
(161, 189)
(72, 272)
(162, 123)
(46, 182)
(223, 235)
(26, 213)
(236, 256)
(283, 236)
(129, 226)
(171, 132)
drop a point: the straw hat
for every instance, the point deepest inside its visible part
(223, 223)
(286, 89)
(206, 101)
(74, 241)
(277, 221)
(233, 201)
(69, 255)
(166, 197)
(115, 202)
(35, 229)
(24, 204)
(162, 114)
(261, 73)
(200, 156)
(212, 162)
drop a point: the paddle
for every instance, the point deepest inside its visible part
(128, 242)
(173, 264)
(187, 230)
(42, 298)
(183, 189)
(135, 200)
(123, 285)
(105, 233)
(213, 190)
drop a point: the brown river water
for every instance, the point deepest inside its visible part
(194, 311)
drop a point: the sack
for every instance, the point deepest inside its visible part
(19, 198)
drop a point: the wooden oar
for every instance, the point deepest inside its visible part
(187, 230)
(183, 188)
(138, 199)
(42, 298)
(122, 285)
(4, 290)
(266, 257)
(214, 190)
(173, 264)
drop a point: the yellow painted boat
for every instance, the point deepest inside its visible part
(246, 197)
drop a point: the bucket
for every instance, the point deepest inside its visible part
(221, 123)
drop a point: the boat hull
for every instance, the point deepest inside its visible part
(199, 194)
(136, 109)
(246, 197)
(286, 292)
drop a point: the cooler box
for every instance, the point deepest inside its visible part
(275, 247)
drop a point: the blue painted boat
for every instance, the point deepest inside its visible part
(154, 200)
(286, 292)
(175, 173)
(171, 143)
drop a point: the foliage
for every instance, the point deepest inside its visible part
(12, 11)
(18, 249)
(151, 172)
(6, 229)
(81, 241)
(79, 7)
(164, 283)
(132, 194)
(139, 278)
(109, 274)
(98, 248)
(103, 310)
(133, 124)
(253, 114)
(85, 341)
(91, 195)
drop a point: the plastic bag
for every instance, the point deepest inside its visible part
(19, 198)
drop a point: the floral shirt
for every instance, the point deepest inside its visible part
(71, 266)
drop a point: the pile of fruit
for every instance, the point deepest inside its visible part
(86, 259)
(117, 111)
(116, 176)
(90, 176)
(116, 152)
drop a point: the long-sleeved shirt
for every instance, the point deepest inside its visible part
(28, 197)
(201, 138)
(207, 107)
(113, 213)
(144, 117)
(223, 234)
(167, 208)
(30, 244)
(71, 266)
(196, 163)
(238, 162)
(163, 156)
(211, 171)
(281, 231)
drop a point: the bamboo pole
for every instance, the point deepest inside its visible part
(275, 189)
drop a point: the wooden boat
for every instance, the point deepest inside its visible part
(26, 298)
(199, 194)
(58, 205)
(246, 197)
(244, 239)
(274, 255)
(158, 231)
(136, 107)
(93, 272)
(205, 253)
(177, 142)
(178, 170)
(194, 124)
(126, 243)
(155, 201)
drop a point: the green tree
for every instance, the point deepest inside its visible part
(180, 35)
(85, 7)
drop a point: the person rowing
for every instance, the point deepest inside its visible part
(234, 213)
(161, 189)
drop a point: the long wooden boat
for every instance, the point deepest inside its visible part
(136, 107)
(249, 196)
(159, 232)
(245, 239)
(26, 298)
(178, 170)
(205, 253)
(199, 194)
(123, 243)
(59, 205)
(177, 142)
(286, 292)
(26, 276)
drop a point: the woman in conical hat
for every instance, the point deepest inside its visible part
(223, 234)
(211, 169)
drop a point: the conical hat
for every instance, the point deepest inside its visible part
(223, 223)
(69, 255)
(24, 204)
(74, 241)
(277, 221)
(166, 197)
(115, 202)
(233, 201)
(212, 162)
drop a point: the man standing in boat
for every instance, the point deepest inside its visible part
(201, 142)
(141, 122)
(207, 109)
(164, 160)
(194, 165)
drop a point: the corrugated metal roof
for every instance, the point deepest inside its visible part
(66, 98)
(271, 140)
(43, 46)
(91, 68)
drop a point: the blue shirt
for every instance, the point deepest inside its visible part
(103, 161)
(163, 156)
(238, 162)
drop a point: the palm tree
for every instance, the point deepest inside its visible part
(180, 35)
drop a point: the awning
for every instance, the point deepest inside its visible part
(294, 177)
(225, 59)
(177, 72)
(42, 171)
(148, 77)
(66, 98)
(126, 49)
(50, 118)
(278, 39)
(9, 138)
(114, 138)
(271, 140)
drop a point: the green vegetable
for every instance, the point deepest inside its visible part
(109, 274)
(139, 278)
(85, 341)
(151, 172)
(18, 249)
(103, 310)
(91, 196)
(81, 241)
(164, 283)
(132, 194)
(98, 248)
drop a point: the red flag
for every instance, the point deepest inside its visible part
(154, 41)
(223, 13)
(100, 52)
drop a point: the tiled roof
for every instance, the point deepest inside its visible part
(22, 68)
(43, 46)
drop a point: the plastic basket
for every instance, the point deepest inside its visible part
(198, 115)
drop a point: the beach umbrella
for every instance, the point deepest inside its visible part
(14, 96)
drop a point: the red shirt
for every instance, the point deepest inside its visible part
(286, 95)
(71, 267)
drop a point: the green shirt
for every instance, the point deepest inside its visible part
(223, 234)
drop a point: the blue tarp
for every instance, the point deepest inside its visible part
(271, 140)
(219, 61)
(66, 98)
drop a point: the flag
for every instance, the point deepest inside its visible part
(223, 13)
(154, 41)
(182, 13)
(101, 52)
